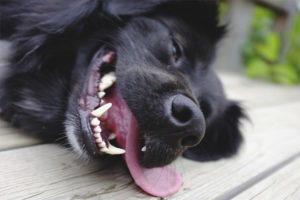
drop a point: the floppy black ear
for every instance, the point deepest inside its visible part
(223, 137)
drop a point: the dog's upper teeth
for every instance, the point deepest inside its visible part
(101, 95)
(101, 110)
(112, 150)
(95, 122)
(107, 81)
(143, 149)
(112, 136)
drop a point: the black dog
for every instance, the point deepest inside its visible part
(166, 97)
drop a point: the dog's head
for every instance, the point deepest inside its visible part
(154, 62)
(136, 72)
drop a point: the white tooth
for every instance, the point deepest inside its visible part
(101, 110)
(109, 77)
(143, 149)
(112, 136)
(104, 85)
(107, 81)
(99, 140)
(101, 95)
(97, 135)
(97, 129)
(95, 122)
(112, 150)
(104, 149)
(102, 144)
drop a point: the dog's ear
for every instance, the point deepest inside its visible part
(222, 138)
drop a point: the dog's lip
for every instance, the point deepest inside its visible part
(88, 101)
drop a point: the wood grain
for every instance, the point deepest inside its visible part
(284, 184)
(51, 172)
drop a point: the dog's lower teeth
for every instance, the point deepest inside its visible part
(95, 122)
(97, 129)
(97, 135)
(99, 140)
(101, 144)
(112, 150)
(143, 149)
(101, 110)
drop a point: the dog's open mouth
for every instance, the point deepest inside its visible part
(105, 118)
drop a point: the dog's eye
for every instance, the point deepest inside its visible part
(176, 51)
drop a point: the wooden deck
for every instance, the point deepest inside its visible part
(267, 167)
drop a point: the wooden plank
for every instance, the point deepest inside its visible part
(256, 94)
(13, 138)
(284, 184)
(51, 172)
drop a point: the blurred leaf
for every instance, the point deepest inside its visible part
(257, 68)
(270, 48)
(285, 74)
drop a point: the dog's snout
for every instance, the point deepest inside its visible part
(186, 119)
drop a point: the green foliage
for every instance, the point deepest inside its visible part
(223, 9)
(261, 51)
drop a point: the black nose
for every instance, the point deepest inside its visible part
(186, 119)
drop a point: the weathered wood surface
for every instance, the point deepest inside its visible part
(283, 184)
(272, 143)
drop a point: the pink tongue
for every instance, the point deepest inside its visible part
(161, 181)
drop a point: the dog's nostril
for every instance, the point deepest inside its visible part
(190, 141)
(181, 110)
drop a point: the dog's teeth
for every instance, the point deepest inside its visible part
(101, 110)
(95, 122)
(104, 85)
(97, 129)
(143, 149)
(112, 136)
(102, 144)
(101, 95)
(107, 81)
(99, 140)
(109, 77)
(97, 135)
(112, 150)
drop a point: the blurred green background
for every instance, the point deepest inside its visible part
(262, 51)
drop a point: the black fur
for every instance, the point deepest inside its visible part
(55, 40)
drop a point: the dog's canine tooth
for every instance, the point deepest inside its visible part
(95, 122)
(101, 94)
(107, 81)
(112, 136)
(112, 150)
(101, 110)
(143, 149)
(97, 129)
